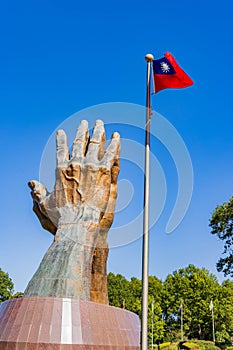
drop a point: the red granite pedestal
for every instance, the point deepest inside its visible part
(66, 324)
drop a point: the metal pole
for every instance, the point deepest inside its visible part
(145, 253)
(152, 321)
(181, 321)
(213, 321)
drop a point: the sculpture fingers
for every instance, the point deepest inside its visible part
(107, 219)
(97, 142)
(81, 140)
(38, 191)
(115, 171)
(63, 154)
(112, 153)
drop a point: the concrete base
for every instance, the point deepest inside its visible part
(36, 323)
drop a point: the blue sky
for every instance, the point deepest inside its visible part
(59, 57)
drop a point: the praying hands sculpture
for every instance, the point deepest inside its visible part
(78, 212)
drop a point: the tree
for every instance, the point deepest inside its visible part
(118, 287)
(193, 288)
(223, 310)
(129, 293)
(221, 224)
(17, 295)
(6, 286)
(155, 289)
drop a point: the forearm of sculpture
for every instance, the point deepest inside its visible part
(98, 287)
(65, 270)
(99, 283)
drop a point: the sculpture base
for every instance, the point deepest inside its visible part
(66, 324)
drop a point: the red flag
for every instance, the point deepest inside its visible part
(168, 74)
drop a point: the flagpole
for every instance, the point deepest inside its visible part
(212, 311)
(145, 252)
(152, 322)
(181, 321)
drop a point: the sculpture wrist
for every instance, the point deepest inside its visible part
(81, 227)
(71, 251)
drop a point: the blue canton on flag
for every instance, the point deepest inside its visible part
(163, 66)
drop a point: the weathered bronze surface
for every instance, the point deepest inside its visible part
(78, 212)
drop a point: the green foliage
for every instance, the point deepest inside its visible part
(206, 345)
(121, 291)
(189, 346)
(118, 289)
(223, 345)
(223, 311)
(221, 224)
(162, 346)
(154, 317)
(6, 286)
(17, 295)
(173, 346)
(193, 288)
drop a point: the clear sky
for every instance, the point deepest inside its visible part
(59, 57)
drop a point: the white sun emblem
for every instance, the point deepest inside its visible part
(165, 67)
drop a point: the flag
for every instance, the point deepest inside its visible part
(211, 305)
(168, 74)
